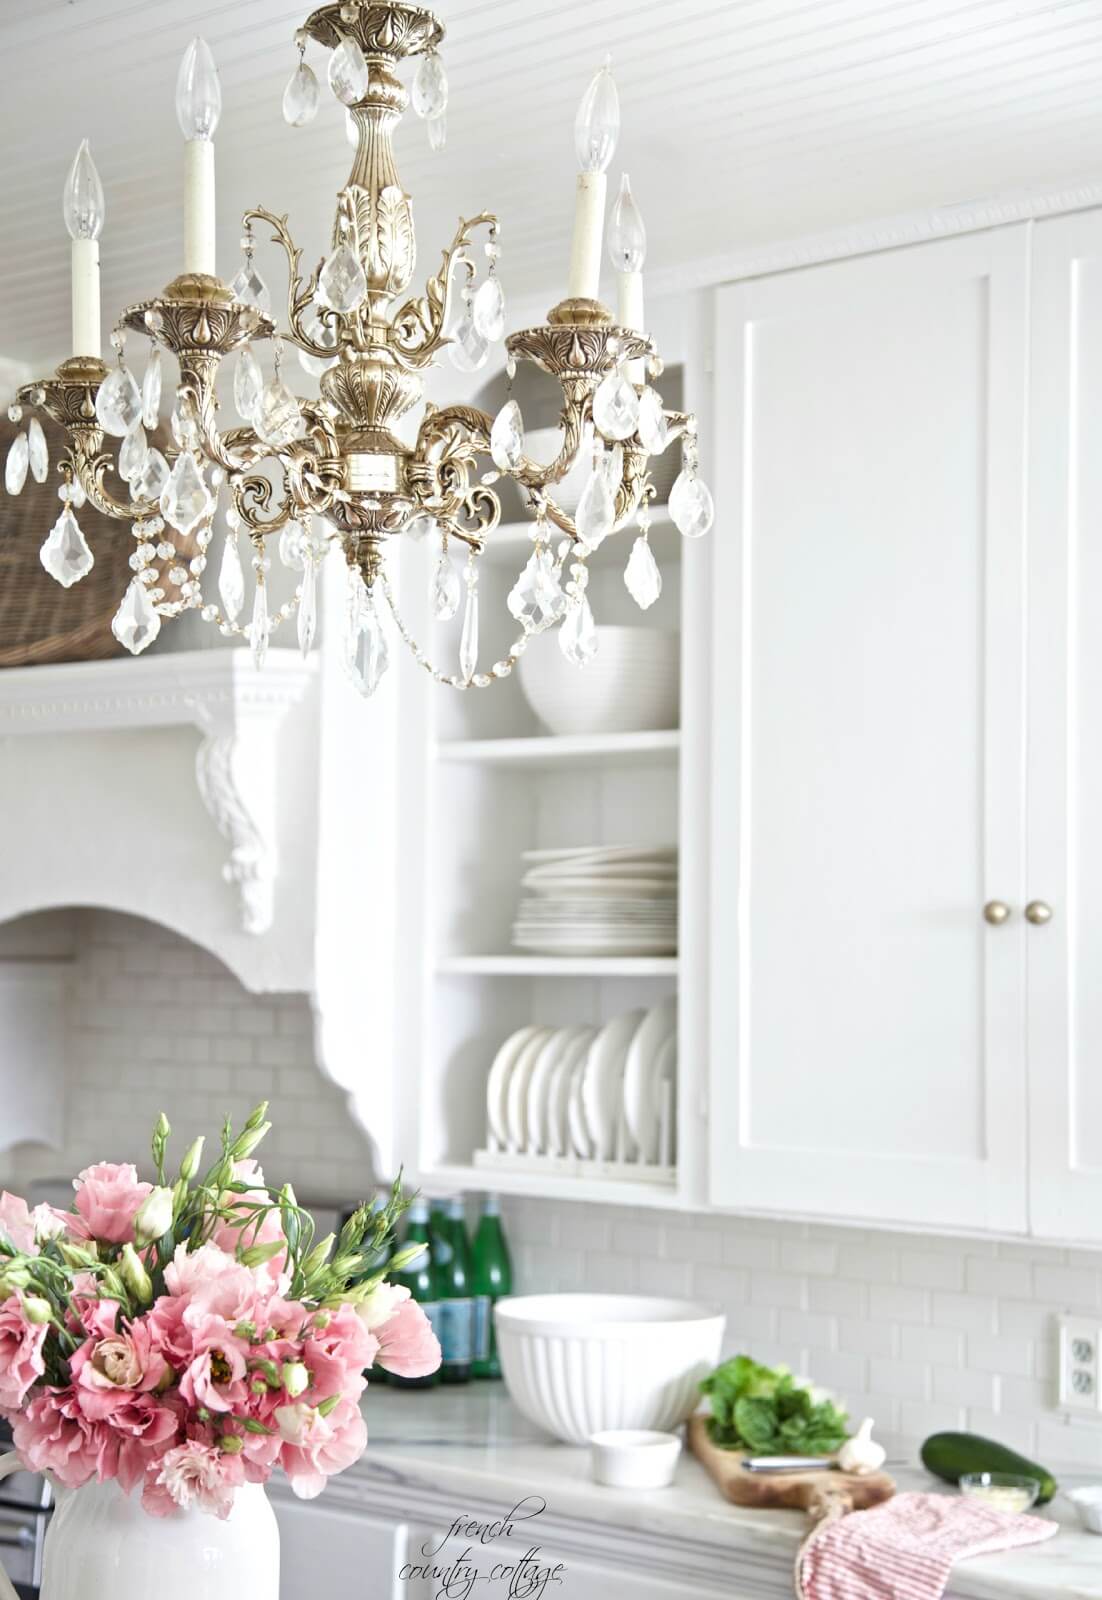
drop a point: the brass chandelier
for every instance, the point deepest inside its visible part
(335, 470)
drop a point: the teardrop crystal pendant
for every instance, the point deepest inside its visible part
(133, 453)
(536, 600)
(260, 627)
(654, 429)
(65, 554)
(691, 505)
(308, 608)
(348, 75)
(445, 594)
(249, 288)
(596, 511)
(186, 500)
(137, 622)
(322, 332)
(248, 384)
(151, 389)
(429, 95)
(641, 575)
(616, 407)
(302, 97)
(468, 639)
(342, 285)
(578, 634)
(118, 403)
(277, 418)
(468, 348)
(369, 655)
(150, 484)
(15, 467)
(438, 132)
(38, 451)
(488, 309)
(507, 437)
(231, 579)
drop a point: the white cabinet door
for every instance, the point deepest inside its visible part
(335, 1551)
(1064, 956)
(868, 1029)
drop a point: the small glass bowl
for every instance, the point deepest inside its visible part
(1002, 1491)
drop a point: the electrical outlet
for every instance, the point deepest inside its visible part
(1080, 1369)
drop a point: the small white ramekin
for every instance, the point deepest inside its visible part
(1088, 1506)
(635, 1458)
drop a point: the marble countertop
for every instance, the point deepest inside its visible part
(470, 1444)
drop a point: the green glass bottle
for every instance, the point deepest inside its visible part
(454, 1287)
(491, 1280)
(420, 1279)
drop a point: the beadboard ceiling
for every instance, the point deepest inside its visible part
(745, 122)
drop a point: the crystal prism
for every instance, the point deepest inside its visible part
(290, 546)
(277, 418)
(151, 389)
(65, 554)
(38, 450)
(249, 288)
(150, 484)
(342, 285)
(616, 407)
(507, 437)
(418, 527)
(578, 634)
(370, 655)
(186, 500)
(468, 348)
(231, 579)
(691, 504)
(118, 403)
(536, 599)
(488, 310)
(302, 97)
(15, 468)
(260, 627)
(596, 511)
(641, 575)
(444, 597)
(137, 622)
(438, 132)
(322, 333)
(308, 608)
(468, 639)
(248, 384)
(429, 95)
(133, 453)
(348, 74)
(654, 429)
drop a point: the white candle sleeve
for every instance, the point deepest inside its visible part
(589, 222)
(199, 209)
(86, 323)
(629, 314)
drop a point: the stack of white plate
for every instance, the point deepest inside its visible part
(604, 1094)
(601, 901)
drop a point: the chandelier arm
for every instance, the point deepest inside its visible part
(418, 328)
(299, 297)
(90, 472)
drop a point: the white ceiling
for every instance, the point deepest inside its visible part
(745, 122)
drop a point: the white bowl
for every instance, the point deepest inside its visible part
(580, 1364)
(632, 685)
(634, 1458)
(1088, 1506)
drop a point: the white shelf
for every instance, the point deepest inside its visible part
(471, 1179)
(519, 966)
(573, 750)
(511, 541)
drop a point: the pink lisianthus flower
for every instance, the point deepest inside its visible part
(52, 1435)
(193, 1474)
(336, 1354)
(316, 1447)
(17, 1223)
(407, 1345)
(21, 1359)
(110, 1371)
(206, 1281)
(108, 1198)
(238, 1229)
(215, 1377)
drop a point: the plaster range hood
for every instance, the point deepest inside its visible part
(239, 808)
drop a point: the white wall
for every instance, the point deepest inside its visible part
(156, 1023)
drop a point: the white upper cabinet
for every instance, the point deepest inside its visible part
(868, 1024)
(1064, 859)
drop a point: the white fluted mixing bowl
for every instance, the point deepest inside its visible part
(580, 1364)
(632, 685)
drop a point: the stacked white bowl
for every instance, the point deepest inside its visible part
(632, 685)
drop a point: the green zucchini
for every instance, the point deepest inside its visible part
(950, 1455)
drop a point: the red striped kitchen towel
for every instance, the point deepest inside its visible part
(905, 1548)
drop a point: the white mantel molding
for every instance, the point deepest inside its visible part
(236, 708)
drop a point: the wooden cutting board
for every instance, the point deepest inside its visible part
(821, 1494)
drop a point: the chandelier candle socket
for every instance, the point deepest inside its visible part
(340, 472)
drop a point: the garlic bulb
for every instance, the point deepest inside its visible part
(862, 1454)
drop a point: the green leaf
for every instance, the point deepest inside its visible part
(755, 1420)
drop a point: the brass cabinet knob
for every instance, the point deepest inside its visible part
(996, 912)
(1038, 913)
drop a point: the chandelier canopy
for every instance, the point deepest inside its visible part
(336, 471)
